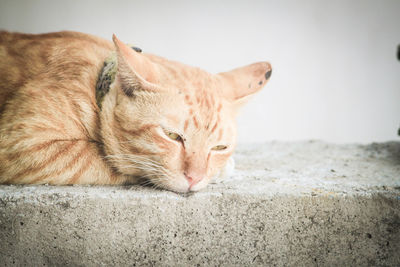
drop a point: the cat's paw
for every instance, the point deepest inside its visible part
(227, 171)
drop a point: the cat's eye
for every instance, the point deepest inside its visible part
(174, 136)
(219, 147)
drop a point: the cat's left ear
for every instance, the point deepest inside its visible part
(240, 83)
(135, 71)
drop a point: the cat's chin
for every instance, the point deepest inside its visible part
(173, 188)
(183, 188)
(178, 186)
(177, 190)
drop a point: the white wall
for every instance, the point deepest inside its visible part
(335, 74)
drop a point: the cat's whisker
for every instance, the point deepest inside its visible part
(125, 142)
(139, 166)
(134, 158)
(145, 166)
(154, 172)
(154, 181)
(136, 162)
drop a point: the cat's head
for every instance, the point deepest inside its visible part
(171, 123)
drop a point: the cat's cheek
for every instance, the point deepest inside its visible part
(169, 151)
(172, 157)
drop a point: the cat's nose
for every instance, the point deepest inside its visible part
(192, 180)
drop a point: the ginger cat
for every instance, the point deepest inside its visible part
(162, 121)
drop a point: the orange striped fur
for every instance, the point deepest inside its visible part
(161, 122)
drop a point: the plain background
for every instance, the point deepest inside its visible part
(335, 72)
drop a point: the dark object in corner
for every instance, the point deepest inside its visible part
(137, 49)
(398, 52)
(268, 74)
(398, 58)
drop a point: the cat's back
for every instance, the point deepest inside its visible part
(61, 55)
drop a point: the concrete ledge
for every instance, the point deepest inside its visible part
(298, 204)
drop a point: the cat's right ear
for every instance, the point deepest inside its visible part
(135, 71)
(242, 83)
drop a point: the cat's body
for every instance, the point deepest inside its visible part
(49, 118)
(161, 120)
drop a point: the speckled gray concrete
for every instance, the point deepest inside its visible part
(297, 204)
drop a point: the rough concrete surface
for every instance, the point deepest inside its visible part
(289, 204)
